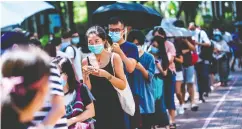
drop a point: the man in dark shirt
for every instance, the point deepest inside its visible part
(126, 50)
(129, 55)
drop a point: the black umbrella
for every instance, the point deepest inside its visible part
(135, 15)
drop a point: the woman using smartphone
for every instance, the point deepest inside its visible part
(101, 78)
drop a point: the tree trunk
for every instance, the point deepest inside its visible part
(239, 10)
(67, 19)
(71, 15)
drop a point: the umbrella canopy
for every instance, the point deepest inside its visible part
(15, 12)
(135, 15)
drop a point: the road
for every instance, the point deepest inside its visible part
(222, 110)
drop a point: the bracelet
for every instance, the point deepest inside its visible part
(110, 77)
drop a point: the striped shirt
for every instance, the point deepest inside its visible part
(55, 89)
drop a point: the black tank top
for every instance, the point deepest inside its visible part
(108, 110)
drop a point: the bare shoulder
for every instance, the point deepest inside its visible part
(84, 61)
(116, 56)
(117, 59)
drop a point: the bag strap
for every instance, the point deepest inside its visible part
(112, 56)
(73, 50)
(199, 36)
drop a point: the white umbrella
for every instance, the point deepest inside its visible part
(15, 12)
(186, 32)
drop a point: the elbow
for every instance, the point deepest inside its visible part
(130, 69)
(193, 49)
(123, 86)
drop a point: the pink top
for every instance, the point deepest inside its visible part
(171, 52)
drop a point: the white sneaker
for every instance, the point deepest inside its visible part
(187, 106)
(181, 110)
(194, 107)
(212, 88)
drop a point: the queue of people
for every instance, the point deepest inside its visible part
(70, 89)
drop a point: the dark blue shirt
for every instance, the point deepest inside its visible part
(131, 51)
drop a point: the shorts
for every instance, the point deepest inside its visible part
(179, 76)
(188, 74)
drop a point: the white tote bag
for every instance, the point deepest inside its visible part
(125, 96)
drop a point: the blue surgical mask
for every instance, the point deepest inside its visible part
(193, 33)
(75, 40)
(64, 45)
(154, 50)
(217, 38)
(96, 49)
(63, 82)
(115, 36)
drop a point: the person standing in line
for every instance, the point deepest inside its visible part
(227, 37)
(188, 72)
(170, 79)
(74, 54)
(143, 84)
(202, 66)
(158, 50)
(101, 77)
(179, 73)
(221, 47)
(130, 56)
(66, 40)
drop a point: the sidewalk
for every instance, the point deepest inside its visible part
(222, 110)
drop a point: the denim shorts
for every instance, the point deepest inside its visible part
(179, 76)
(189, 76)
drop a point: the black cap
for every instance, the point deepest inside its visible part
(8, 39)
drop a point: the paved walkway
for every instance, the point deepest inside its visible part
(222, 110)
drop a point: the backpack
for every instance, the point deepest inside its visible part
(72, 48)
(77, 107)
(206, 52)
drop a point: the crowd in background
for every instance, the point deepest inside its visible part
(79, 85)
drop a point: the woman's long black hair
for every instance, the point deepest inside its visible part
(66, 68)
(162, 51)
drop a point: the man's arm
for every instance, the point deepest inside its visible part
(205, 39)
(57, 110)
(130, 63)
(57, 99)
(190, 45)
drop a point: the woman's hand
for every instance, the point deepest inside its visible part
(86, 70)
(95, 71)
(158, 64)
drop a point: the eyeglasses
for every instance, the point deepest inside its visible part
(115, 30)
